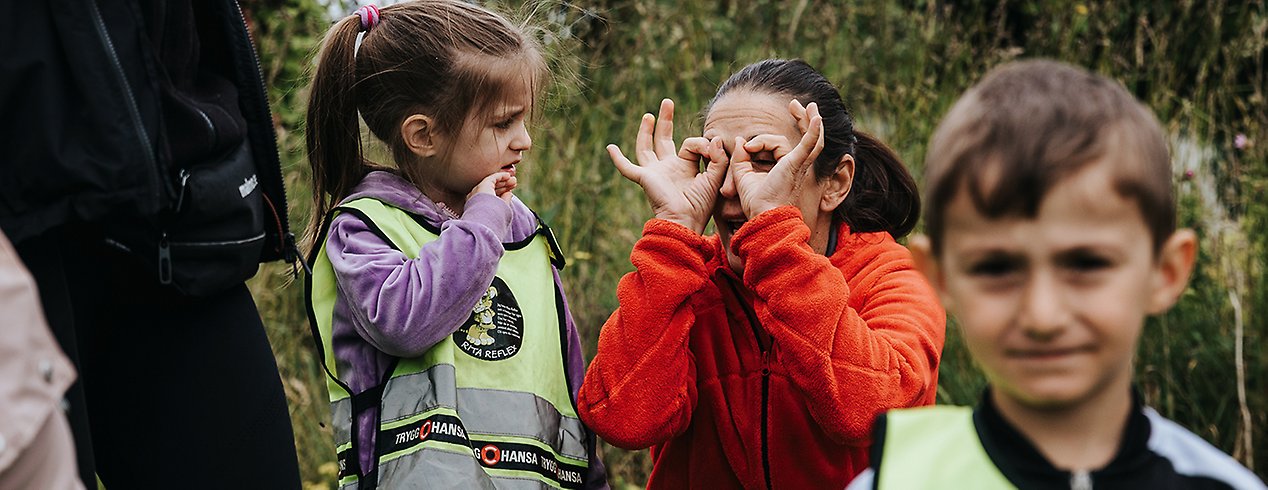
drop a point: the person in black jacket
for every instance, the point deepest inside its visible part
(141, 186)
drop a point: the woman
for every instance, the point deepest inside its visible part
(758, 357)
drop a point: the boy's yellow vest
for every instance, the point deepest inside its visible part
(487, 407)
(935, 447)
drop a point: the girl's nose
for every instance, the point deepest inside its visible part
(521, 141)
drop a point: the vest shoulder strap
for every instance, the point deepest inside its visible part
(390, 223)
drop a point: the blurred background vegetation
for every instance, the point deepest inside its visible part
(1199, 64)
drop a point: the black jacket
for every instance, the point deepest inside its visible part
(123, 112)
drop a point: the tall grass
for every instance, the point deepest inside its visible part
(1199, 65)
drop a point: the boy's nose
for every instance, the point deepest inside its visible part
(1043, 312)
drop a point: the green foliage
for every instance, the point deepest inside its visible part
(286, 33)
(1199, 65)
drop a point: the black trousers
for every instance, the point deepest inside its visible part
(173, 391)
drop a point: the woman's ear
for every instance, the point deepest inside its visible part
(1172, 268)
(419, 134)
(838, 185)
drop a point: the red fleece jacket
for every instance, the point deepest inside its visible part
(768, 382)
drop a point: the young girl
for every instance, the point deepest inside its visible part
(758, 357)
(452, 359)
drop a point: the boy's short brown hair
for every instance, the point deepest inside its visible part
(1028, 125)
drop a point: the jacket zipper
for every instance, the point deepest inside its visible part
(289, 248)
(765, 352)
(1080, 480)
(134, 112)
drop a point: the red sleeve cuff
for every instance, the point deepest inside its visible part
(768, 227)
(668, 229)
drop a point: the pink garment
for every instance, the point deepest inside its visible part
(36, 449)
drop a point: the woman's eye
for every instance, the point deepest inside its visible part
(504, 124)
(764, 159)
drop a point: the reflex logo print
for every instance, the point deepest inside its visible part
(495, 329)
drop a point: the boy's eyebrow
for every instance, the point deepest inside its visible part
(1105, 250)
(991, 251)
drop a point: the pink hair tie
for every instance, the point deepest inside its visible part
(369, 15)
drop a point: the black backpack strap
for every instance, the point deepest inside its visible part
(556, 252)
(365, 400)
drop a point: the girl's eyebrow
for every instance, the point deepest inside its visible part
(512, 112)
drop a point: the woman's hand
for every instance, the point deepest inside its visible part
(675, 187)
(499, 184)
(784, 184)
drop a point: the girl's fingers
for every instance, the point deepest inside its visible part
(624, 165)
(643, 143)
(663, 140)
(488, 184)
(492, 179)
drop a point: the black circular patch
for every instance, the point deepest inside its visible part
(495, 329)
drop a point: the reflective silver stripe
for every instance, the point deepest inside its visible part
(434, 468)
(341, 414)
(505, 412)
(484, 411)
(412, 394)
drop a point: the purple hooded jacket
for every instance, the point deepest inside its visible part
(389, 306)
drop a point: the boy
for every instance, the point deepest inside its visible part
(1051, 235)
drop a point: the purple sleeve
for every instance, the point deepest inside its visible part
(402, 306)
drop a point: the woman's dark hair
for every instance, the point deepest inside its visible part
(448, 59)
(884, 195)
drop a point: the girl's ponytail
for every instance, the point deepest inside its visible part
(333, 132)
(884, 195)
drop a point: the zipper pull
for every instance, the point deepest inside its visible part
(766, 362)
(1080, 480)
(180, 196)
(165, 261)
